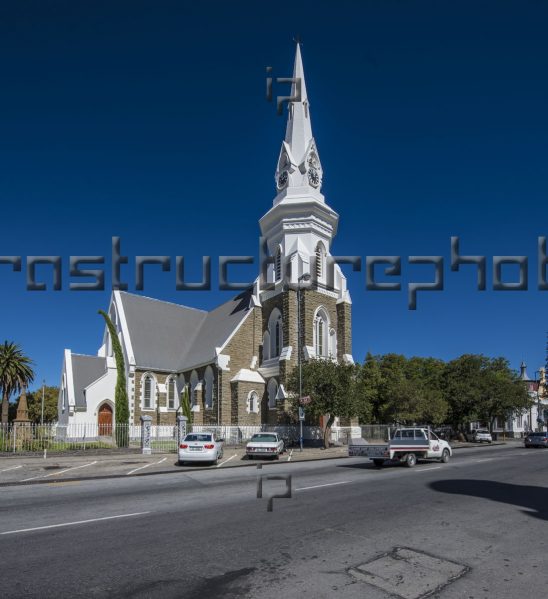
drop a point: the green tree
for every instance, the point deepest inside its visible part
(426, 375)
(502, 392)
(186, 409)
(15, 373)
(398, 396)
(51, 398)
(121, 407)
(480, 388)
(333, 388)
(368, 382)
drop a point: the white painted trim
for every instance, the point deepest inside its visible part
(123, 325)
(70, 379)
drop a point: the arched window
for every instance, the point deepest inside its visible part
(266, 345)
(272, 392)
(193, 388)
(275, 333)
(149, 392)
(278, 265)
(253, 403)
(320, 260)
(209, 381)
(171, 392)
(321, 333)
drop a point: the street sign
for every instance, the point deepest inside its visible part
(304, 401)
(301, 414)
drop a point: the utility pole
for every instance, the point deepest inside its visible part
(305, 277)
(43, 393)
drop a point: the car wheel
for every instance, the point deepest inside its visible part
(445, 456)
(410, 460)
(180, 462)
(378, 463)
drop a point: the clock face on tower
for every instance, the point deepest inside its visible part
(283, 178)
(313, 177)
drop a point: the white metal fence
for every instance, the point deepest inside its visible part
(23, 437)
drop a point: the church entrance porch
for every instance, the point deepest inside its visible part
(104, 420)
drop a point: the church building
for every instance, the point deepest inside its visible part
(236, 359)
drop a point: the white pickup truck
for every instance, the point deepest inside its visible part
(407, 445)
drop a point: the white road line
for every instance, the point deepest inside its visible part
(485, 460)
(428, 469)
(12, 468)
(12, 532)
(290, 455)
(230, 458)
(145, 466)
(344, 482)
(60, 472)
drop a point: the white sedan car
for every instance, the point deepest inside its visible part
(483, 435)
(200, 447)
(265, 445)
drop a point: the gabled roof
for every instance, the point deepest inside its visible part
(167, 336)
(160, 331)
(85, 370)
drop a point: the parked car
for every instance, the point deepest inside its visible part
(265, 445)
(482, 435)
(200, 447)
(536, 439)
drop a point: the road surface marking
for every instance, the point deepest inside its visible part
(290, 455)
(485, 460)
(12, 468)
(428, 469)
(230, 458)
(344, 482)
(12, 532)
(146, 466)
(60, 472)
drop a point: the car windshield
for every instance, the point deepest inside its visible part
(196, 437)
(536, 434)
(482, 432)
(264, 438)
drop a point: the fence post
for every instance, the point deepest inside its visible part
(181, 429)
(146, 430)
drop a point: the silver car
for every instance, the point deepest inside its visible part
(482, 435)
(200, 447)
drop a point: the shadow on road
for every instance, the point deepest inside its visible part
(525, 496)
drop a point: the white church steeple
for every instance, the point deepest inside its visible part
(300, 226)
(299, 163)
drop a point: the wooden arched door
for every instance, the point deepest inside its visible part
(105, 420)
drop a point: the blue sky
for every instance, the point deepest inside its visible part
(148, 120)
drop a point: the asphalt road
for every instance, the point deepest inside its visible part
(205, 533)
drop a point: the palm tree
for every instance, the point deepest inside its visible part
(15, 373)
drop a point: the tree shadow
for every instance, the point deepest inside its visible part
(525, 496)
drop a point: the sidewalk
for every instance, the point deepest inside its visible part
(114, 464)
(36, 469)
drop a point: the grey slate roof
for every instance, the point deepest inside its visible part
(166, 336)
(85, 370)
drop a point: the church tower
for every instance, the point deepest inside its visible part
(297, 234)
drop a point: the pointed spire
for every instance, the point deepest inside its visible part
(298, 133)
(523, 372)
(299, 164)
